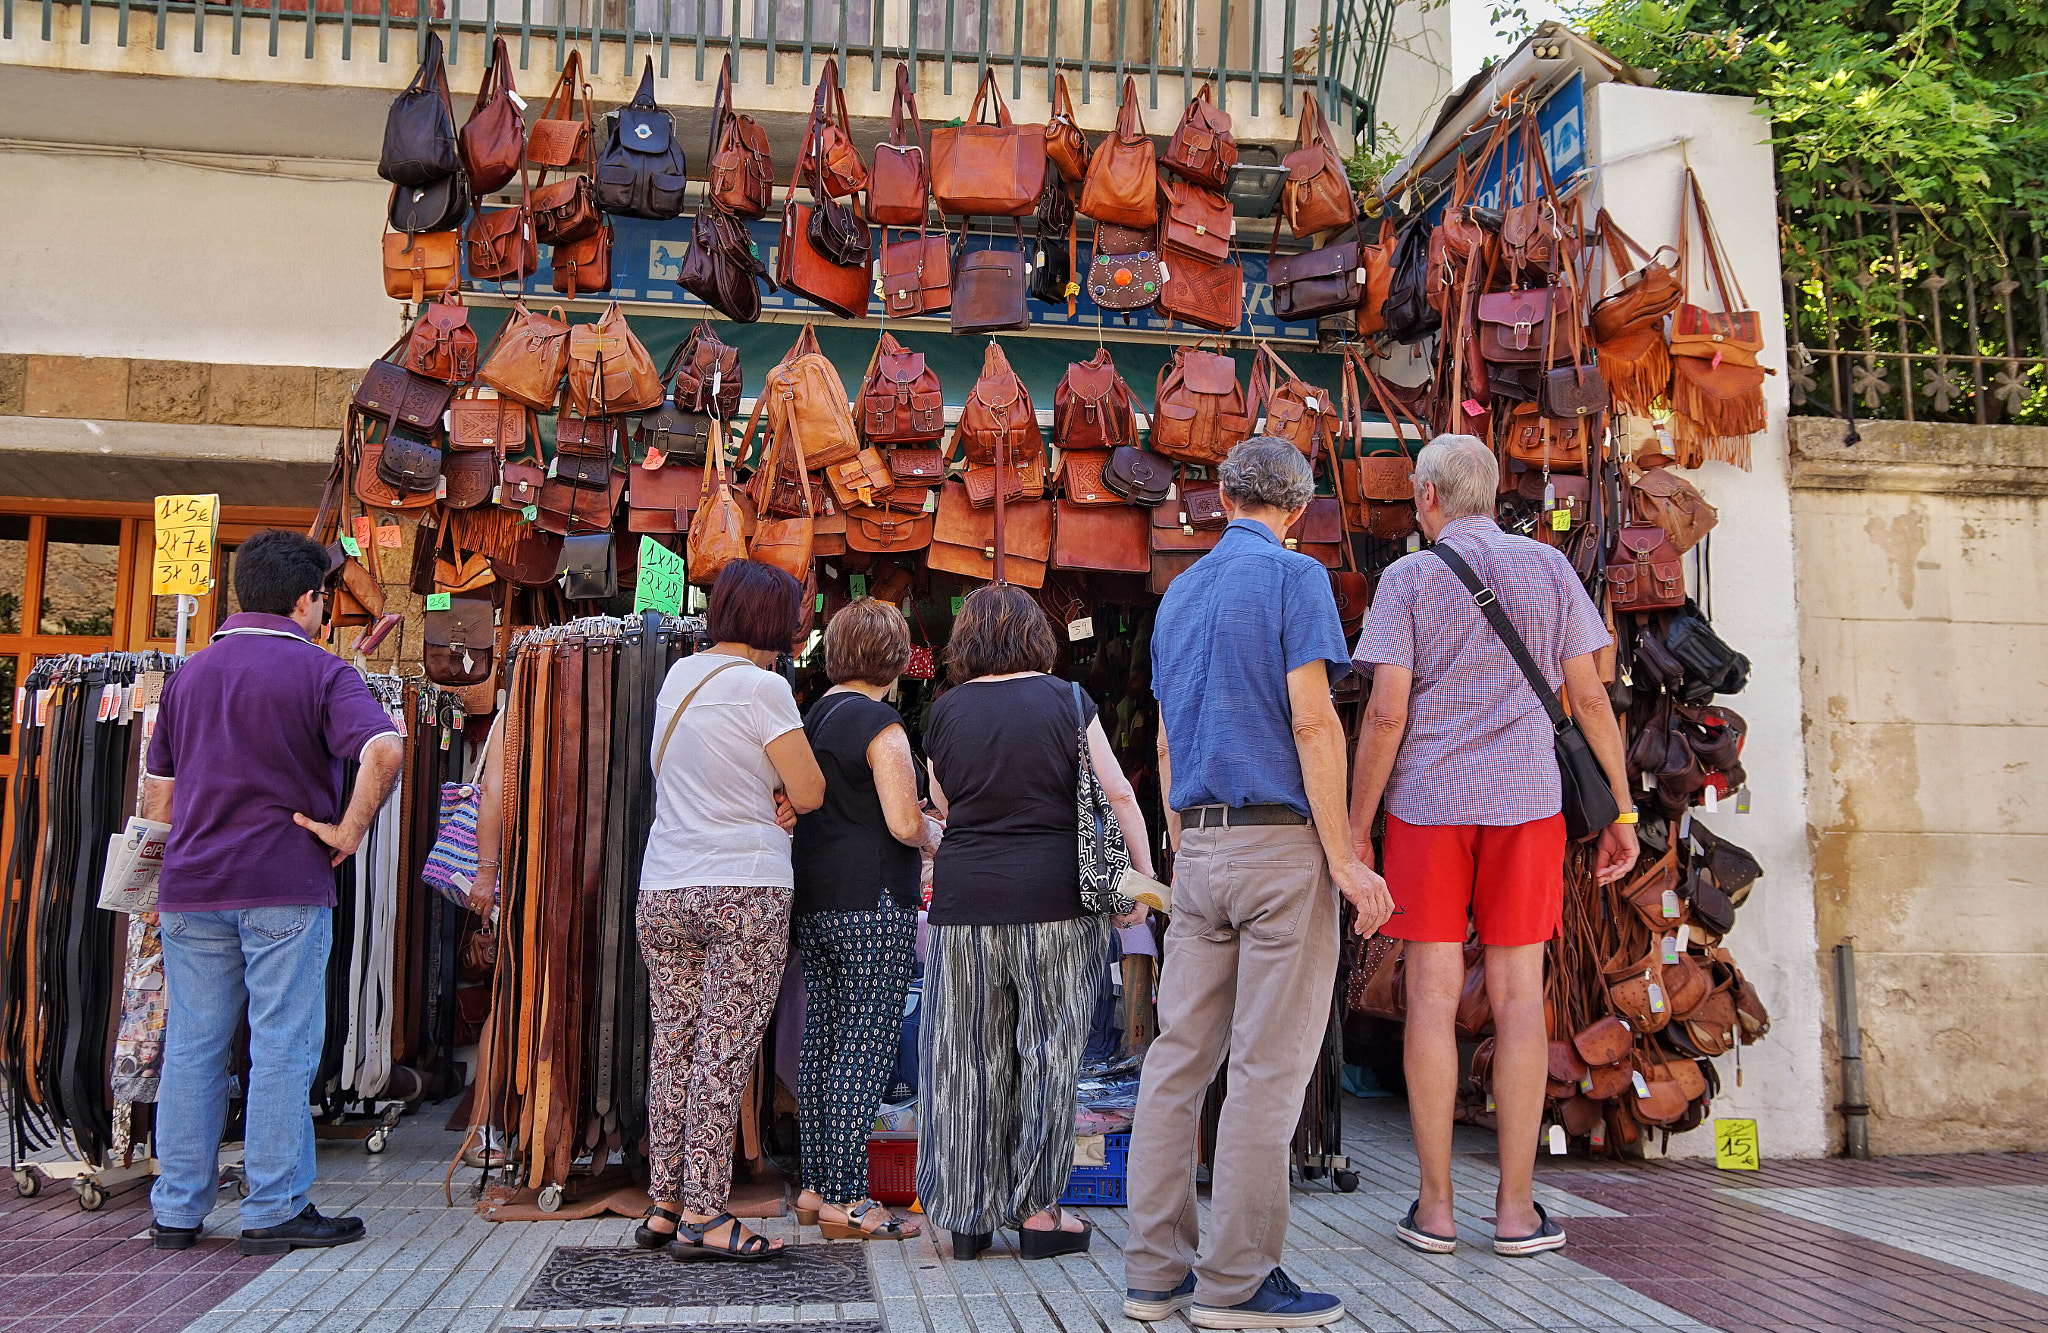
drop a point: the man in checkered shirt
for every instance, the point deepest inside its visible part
(1460, 749)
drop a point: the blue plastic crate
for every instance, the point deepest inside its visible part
(1101, 1186)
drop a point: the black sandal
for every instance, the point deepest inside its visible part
(690, 1246)
(646, 1237)
(1056, 1242)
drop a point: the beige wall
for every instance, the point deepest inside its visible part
(1923, 597)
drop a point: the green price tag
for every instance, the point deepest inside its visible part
(858, 583)
(439, 601)
(529, 513)
(349, 544)
(663, 577)
(958, 602)
(821, 602)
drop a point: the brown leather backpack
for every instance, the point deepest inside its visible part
(493, 139)
(610, 373)
(1199, 412)
(527, 361)
(998, 411)
(900, 186)
(1662, 497)
(1317, 195)
(1645, 572)
(900, 398)
(441, 345)
(805, 396)
(742, 174)
(705, 374)
(1295, 410)
(1092, 407)
(1123, 178)
(1202, 149)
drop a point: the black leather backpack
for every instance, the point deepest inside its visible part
(419, 130)
(641, 171)
(1409, 315)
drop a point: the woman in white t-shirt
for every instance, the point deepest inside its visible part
(732, 770)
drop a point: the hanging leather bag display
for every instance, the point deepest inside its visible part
(529, 358)
(440, 344)
(1092, 407)
(997, 419)
(900, 186)
(989, 290)
(900, 398)
(722, 268)
(499, 242)
(1199, 412)
(984, 169)
(1545, 443)
(1208, 296)
(583, 268)
(1317, 195)
(422, 265)
(917, 273)
(1645, 572)
(1315, 283)
(1202, 149)
(1198, 223)
(559, 140)
(642, 172)
(1628, 320)
(610, 373)
(742, 174)
(1717, 387)
(439, 205)
(1123, 179)
(718, 533)
(825, 254)
(1661, 496)
(492, 143)
(419, 130)
(887, 532)
(1065, 146)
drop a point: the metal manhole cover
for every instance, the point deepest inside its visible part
(588, 1277)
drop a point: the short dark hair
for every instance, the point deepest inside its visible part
(1000, 629)
(274, 568)
(868, 642)
(754, 604)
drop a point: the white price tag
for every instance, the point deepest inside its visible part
(517, 100)
(1557, 1143)
(1684, 936)
(1712, 801)
(1670, 947)
(1084, 628)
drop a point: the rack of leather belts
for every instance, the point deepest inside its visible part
(564, 1072)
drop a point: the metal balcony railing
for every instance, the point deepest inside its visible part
(1258, 51)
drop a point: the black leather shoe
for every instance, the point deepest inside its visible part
(174, 1238)
(307, 1231)
(969, 1244)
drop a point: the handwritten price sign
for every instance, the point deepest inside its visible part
(1735, 1145)
(185, 529)
(663, 576)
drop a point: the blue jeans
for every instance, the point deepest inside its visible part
(271, 962)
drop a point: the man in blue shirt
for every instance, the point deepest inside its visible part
(1245, 649)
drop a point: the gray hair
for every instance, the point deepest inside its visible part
(1267, 470)
(1463, 470)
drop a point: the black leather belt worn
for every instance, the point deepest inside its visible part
(1227, 816)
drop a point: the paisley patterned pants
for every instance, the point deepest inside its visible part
(857, 966)
(714, 966)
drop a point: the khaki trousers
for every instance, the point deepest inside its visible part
(1251, 959)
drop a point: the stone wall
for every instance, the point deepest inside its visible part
(115, 388)
(1923, 598)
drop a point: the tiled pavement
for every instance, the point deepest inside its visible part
(1952, 1244)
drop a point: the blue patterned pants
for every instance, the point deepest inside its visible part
(857, 968)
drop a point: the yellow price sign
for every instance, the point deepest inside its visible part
(185, 529)
(1735, 1146)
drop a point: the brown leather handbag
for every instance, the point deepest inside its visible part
(1199, 223)
(900, 186)
(1024, 479)
(742, 174)
(1092, 407)
(1645, 572)
(983, 169)
(610, 373)
(1294, 410)
(1317, 195)
(1112, 538)
(441, 345)
(1377, 261)
(529, 358)
(805, 397)
(832, 152)
(1628, 321)
(1208, 296)
(1545, 443)
(1717, 398)
(461, 642)
(887, 532)
(900, 398)
(467, 477)
(785, 542)
(1081, 478)
(964, 538)
(917, 467)
(1202, 149)
(519, 485)
(865, 481)
(1199, 412)
(1123, 179)
(567, 210)
(499, 242)
(1138, 476)
(718, 533)
(802, 264)
(997, 422)
(421, 264)
(390, 391)
(660, 499)
(1314, 283)
(917, 273)
(1515, 326)
(493, 140)
(1125, 272)
(989, 288)
(558, 141)
(366, 440)
(1319, 532)
(1662, 497)
(494, 424)
(584, 268)
(1065, 146)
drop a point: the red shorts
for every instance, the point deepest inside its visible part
(1510, 880)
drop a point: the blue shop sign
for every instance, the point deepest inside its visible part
(1560, 125)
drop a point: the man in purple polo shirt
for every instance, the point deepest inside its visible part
(246, 765)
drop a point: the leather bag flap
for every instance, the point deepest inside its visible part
(1208, 373)
(466, 624)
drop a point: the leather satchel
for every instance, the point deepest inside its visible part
(560, 140)
(529, 358)
(1645, 572)
(390, 391)
(467, 477)
(742, 173)
(420, 265)
(1124, 280)
(668, 432)
(984, 169)
(642, 172)
(1208, 296)
(1545, 443)
(1514, 327)
(1123, 180)
(492, 143)
(589, 568)
(1191, 519)
(1202, 149)
(721, 267)
(704, 375)
(1081, 477)
(917, 274)
(494, 424)
(583, 268)
(436, 206)
(1111, 539)
(900, 186)
(441, 345)
(366, 441)
(1092, 407)
(718, 532)
(1139, 477)
(865, 481)
(900, 398)
(1319, 532)
(917, 467)
(500, 243)
(1199, 411)
(1317, 194)
(461, 642)
(989, 291)
(1199, 223)
(1024, 479)
(887, 532)
(1065, 146)
(410, 463)
(998, 412)
(964, 542)
(419, 130)
(566, 211)
(610, 373)
(1376, 262)
(519, 485)
(1315, 283)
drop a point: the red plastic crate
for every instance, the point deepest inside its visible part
(892, 1168)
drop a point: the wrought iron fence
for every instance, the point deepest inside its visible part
(1896, 315)
(1260, 50)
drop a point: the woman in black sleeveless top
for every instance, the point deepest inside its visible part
(857, 864)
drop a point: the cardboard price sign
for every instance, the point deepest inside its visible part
(663, 576)
(185, 529)
(1735, 1145)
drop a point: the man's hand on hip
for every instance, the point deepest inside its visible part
(341, 840)
(1367, 893)
(1617, 852)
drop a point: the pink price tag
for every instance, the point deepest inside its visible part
(390, 536)
(361, 526)
(1472, 408)
(654, 459)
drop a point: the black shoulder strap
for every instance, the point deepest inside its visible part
(1496, 616)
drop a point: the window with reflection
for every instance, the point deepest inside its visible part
(81, 568)
(13, 570)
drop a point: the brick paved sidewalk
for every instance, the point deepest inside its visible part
(1949, 1244)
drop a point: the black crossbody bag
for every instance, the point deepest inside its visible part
(1589, 804)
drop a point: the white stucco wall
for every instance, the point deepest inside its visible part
(123, 256)
(1645, 138)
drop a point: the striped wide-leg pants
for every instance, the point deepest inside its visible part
(1006, 1015)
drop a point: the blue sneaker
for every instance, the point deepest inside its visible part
(1149, 1307)
(1278, 1303)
